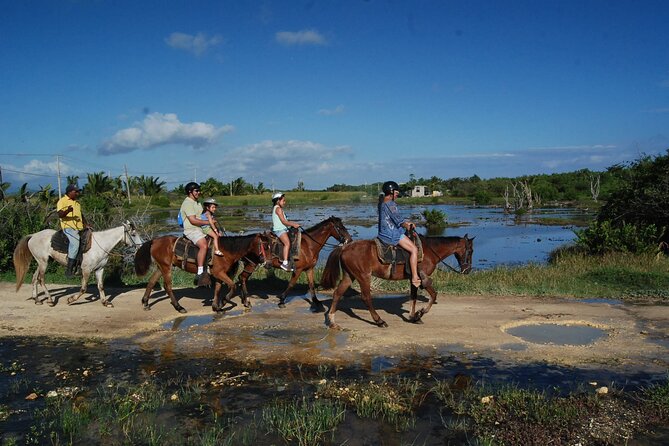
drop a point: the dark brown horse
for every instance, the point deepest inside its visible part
(312, 241)
(359, 261)
(161, 251)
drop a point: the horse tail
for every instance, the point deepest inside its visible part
(332, 269)
(22, 258)
(143, 259)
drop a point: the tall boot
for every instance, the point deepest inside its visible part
(69, 271)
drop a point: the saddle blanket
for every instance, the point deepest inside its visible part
(60, 242)
(389, 254)
(186, 251)
(276, 248)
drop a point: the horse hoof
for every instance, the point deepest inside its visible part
(282, 305)
(107, 304)
(181, 309)
(382, 324)
(38, 302)
(335, 327)
(52, 304)
(146, 308)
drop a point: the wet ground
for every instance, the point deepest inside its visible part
(555, 344)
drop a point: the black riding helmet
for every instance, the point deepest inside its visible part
(389, 187)
(191, 186)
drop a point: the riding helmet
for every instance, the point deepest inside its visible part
(210, 201)
(191, 186)
(277, 196)
(390, 186)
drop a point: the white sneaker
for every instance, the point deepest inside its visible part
(286, 267)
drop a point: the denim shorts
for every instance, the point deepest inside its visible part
(280, 232)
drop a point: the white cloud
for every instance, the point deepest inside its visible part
(197, 44)
(162, 129)
(304, 37)
(338, 110)
(286, 162)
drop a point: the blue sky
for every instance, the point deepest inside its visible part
(329, 92)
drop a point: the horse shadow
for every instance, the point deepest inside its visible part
(90, 297)
(391, 304)
(203, 294)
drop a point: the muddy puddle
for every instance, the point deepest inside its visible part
(558, 334)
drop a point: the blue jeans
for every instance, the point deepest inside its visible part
(73, 247)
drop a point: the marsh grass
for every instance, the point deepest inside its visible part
(301, 421)
(391, 401)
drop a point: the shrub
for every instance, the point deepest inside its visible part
(603, 237)
(434, 218)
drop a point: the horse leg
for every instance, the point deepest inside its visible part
(243, 277)
(101, 289)
(316, 305)
(149, 287)
(345, 283)
(216, 305)
(366, 293)
(84, 281)
(166, 271)
(414, 296)
(415, 318)
(36, 280)
(291, 284)
(41, 275)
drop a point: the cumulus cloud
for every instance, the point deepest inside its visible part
(304, 37)
(162, 129)
(338, 110)
(286, 162)
(197, 44)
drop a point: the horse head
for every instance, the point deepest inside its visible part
(340, 231)
(131, 236)
(464, 254)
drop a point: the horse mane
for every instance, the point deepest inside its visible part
(237, 243)
(318, 225)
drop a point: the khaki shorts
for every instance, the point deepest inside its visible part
(194, 235)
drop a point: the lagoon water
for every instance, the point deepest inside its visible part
(501, 239)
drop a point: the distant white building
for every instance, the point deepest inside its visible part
(419, 191)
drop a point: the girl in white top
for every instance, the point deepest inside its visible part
(280, 226)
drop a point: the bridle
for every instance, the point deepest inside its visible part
(262, 254)
(338, 235)
(464, 268)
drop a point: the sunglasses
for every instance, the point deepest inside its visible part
(196, 190)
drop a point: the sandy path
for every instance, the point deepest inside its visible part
(637, 336)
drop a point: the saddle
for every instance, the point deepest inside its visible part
(276, 247)
(391, 255)
(186, 251)
(60, 242)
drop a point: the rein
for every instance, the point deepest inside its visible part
(443, 261)
(325, 243)
(113, 254)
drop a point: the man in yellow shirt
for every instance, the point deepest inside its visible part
(71, 222)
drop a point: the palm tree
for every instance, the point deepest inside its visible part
(99, 184)
(150, 186)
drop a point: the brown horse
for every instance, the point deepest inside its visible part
(359, 261)
(312, 241)
(161, 251)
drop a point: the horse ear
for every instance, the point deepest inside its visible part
(465, 236)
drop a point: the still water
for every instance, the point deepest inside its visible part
(501, 239)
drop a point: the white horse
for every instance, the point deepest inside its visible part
(38, 245)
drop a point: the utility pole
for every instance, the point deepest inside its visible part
(60, 194)
(127, 181)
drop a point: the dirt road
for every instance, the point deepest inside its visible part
(634, 337)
